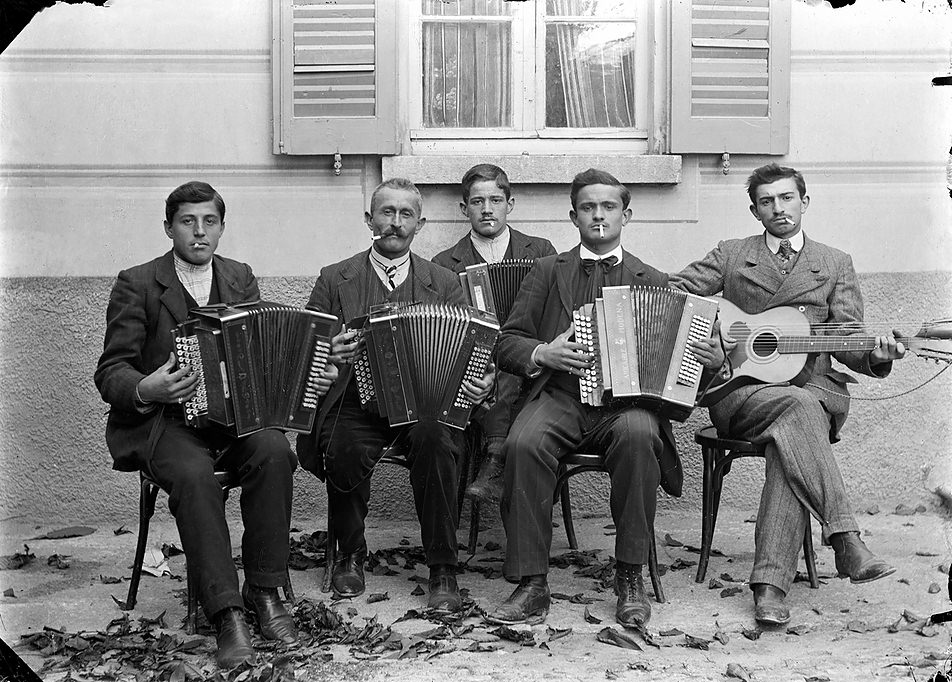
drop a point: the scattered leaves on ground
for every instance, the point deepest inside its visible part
(59, 561)
(17, 559)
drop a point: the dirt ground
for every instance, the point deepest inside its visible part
(838, 632)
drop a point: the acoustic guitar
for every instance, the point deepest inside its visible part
(773, 346)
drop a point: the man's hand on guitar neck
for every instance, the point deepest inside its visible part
(888, 348)
(711, 352)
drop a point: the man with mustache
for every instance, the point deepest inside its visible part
(797, 421)
(347, 441)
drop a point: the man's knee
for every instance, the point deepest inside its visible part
(636, 426)
(271, 448)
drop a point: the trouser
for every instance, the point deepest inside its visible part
(353, 441)
(554, 425)
(802, 476)
(183, 464)
(496, 420)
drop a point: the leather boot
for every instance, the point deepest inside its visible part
(529, 603)
(633, 608)
(234, 638)
(348, 576)
(769, 608)
(854, 559)
(488, 484)
(274, 621)
(444, 592)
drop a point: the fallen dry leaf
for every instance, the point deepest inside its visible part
(858, 626)
(692, 642)
(60, 561)
(617, 638)
(731, 591)
(9, 593)
(737, 671)
(17, 560)
(752, 634)
(379, 596)
(417, 591)
(714, 584)
(872, 510)
(934, 588)
(801, 629)
(589, 618)
(672, 542)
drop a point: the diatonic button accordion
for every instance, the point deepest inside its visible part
(415, 357)
(493, 286)
(639, 339)
(258, 365)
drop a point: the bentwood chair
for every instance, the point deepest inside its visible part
(580, 463)
(718, 454)
(148, 492)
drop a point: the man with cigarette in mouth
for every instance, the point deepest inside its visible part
(796, 421)
(487, 203)
(347, 441)
(638, 445)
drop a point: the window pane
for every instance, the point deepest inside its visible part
(467, 74)
(614, 9)
(455, 8)
(589, 73)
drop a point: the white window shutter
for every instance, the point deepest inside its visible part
(730, 76)
(334, 65)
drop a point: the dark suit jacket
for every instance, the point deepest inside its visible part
(340, 291)
(822, 285)
(462, 254)
(146, 302)
(543, 310)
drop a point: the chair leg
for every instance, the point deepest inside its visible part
(708, 512)
(809, 557)
(653, 570)
(474, 510)
(191, 591)
(567, 516)
(147, 494)
(330, 554)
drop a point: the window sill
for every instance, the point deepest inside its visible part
(643, 169)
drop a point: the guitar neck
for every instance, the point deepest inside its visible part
(824, 344)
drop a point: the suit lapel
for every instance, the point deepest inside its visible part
(566, 276)
(634, 269)
(349, 288)
(228, 290)
(518, 245)
(760, 269)
(807, 274)
(462, 252)
(173, 294)
(420, 269)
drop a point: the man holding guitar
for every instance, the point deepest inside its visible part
(796, 419)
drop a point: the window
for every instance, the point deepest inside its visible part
(536, 70)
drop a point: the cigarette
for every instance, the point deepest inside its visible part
(601, 231)
(376, 237)
(789, 220)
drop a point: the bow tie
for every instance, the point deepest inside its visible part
(606, 264)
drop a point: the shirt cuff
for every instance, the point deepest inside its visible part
(535, 369)
(141, 405)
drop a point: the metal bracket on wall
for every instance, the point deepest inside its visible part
(725, 163)
(338, 164)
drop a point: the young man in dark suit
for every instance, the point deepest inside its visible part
(347, 441)
(487, 203)
(637, 444)
(138, 377)
(781, 266)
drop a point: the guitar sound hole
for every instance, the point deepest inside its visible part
(764, 345)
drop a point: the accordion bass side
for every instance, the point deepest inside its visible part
(258, 365)
(415, 358)
(493, 286)
(638, 337)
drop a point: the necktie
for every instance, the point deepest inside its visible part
(596, 269)
(785, 252)
(389, 271)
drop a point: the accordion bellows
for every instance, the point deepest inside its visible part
(415, 358)
(259, 364)
(638, 336)
(493, 286)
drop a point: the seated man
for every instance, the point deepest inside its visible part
(487, 201)
(347, 441)
(146, 430)
(637, 444)
(781, 266)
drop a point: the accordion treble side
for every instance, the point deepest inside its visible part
(415, 358)
(258, 365)
(639, 339)
(493, 287)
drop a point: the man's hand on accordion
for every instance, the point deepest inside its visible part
(327, 378)
(563, 355)
(711, 352)
(344, 347)
(167, 384)
(477, 391)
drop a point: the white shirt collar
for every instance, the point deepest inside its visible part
(585, 254)
(773, 243)
(492, 249)
(381, 263)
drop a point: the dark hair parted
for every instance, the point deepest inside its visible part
(771, 173)
(594, 176)
(402, 184)
(486, 171)
(194, 192)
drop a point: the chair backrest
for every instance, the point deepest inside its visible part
(708, 437)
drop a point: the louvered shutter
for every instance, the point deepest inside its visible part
(334, 65)
(730, 76)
